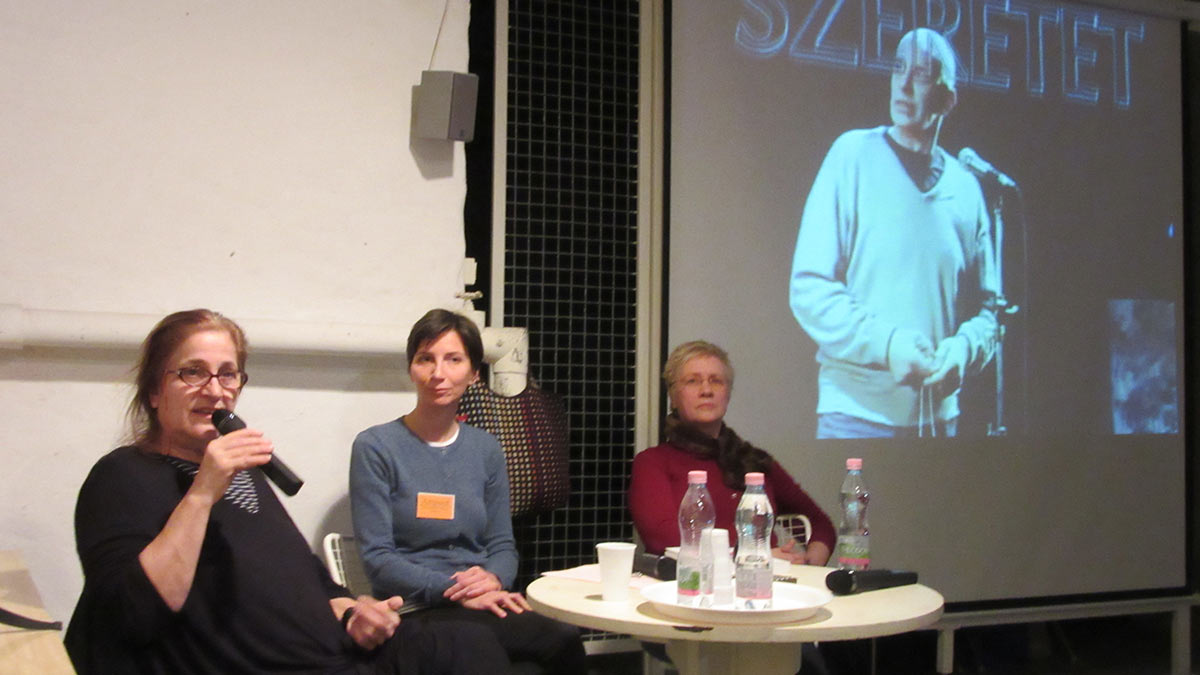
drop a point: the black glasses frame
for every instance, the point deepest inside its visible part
(243, 377)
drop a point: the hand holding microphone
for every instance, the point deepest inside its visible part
(226, 422)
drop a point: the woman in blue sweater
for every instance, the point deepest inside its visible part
(430, 503)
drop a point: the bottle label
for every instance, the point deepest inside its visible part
(853, 553)
(688, 582)
(754, 583)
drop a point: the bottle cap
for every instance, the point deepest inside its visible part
(854, 464)
(754, 478)
(697, 477)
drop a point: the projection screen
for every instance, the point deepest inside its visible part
(1052, 270)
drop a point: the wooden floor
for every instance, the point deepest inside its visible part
(1134, 645)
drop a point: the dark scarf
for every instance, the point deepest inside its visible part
(734, 456)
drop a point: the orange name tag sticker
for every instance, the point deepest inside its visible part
(435, 506)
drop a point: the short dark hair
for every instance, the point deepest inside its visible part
(172, 331)
(436, 323)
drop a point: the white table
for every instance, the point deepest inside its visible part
(740, 649)
(22, 651)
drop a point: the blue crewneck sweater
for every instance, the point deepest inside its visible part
(414, 557)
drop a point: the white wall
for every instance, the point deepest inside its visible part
(252, 157)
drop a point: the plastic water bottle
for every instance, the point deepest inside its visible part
(854, 539)
(693, 576)
(753, 574)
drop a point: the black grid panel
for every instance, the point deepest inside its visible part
(571, 252)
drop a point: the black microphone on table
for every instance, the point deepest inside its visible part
(845, 582)
(226, 422)
(981, 167)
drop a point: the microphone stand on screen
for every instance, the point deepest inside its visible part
(1004, 312)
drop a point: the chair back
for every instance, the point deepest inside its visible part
(533, 432)
(345, 563)
(794, 525)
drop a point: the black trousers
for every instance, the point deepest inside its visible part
(524, 637)
(444, 648)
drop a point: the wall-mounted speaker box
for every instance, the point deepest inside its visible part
(445, 105)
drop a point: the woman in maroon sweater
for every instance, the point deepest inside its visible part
(699, 381)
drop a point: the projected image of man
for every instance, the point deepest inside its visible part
(892, 275)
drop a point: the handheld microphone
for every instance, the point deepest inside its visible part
(279, 473)
(845, 582)
(980, 167)
(657, 566)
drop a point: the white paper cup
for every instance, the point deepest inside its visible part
(616, 568)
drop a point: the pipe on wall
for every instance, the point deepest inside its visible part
(23, 327)
(507, 351)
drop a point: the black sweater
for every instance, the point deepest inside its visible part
(259, 602)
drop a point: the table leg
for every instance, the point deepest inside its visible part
(693, 657)
(1181, 641)
(945, 651)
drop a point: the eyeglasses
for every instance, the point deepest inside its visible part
(194, 376)
(697, 381)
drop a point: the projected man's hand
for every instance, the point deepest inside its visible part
(950, 363)
(910, 357)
